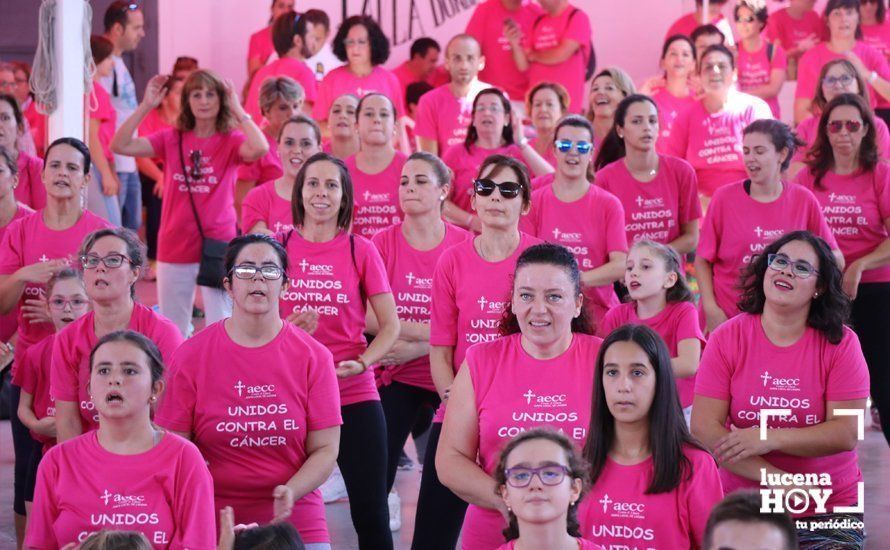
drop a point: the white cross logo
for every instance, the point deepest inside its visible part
(303, 264)
(106, 496)
(410, 276)
(482, 303)
(758, 231)
(639, 200)
(605, 501)
(528, 396)
(43, 258)
(239, 386)
(765, 377)
(556, 233)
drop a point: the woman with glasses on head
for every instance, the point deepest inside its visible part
(659, 193)
(30, 189)
(494, 130)
(582, 217)
(111, 260)
(259, 398)
(748, 215)
(851, 183)
(341, 139)
(789, 348)
(762, 64)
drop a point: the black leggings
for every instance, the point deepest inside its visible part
(152, 206)
(362, 462)
(440, 513)
(25, 447)
(870, 322)
(403, 406)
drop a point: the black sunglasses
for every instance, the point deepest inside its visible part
(485, 187)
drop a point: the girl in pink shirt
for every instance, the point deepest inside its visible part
(268, 208)
(471, 289)
(789, 349)
(128, 474)
(746, 216)
(661, 299)
(582, 217)
(607, 90)
(796, 29)
(494, 130)
(259, 398)
(547, 103)
(30, 190)
(851, 184)
(102, 197)
(334, 275)
(112, 261)
(541, 477)
(672, 92)
(201, 160)
(876, 33)
(761, 64)
(652, 484)
(376, 167)
(539, 373)
(659, 193)
(10, 210)
(342, 137)
(260, 46)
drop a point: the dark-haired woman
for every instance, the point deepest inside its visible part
(546, 104)
(672, 92)
(30, 190)
(494, 130)
(112, 260)
(659, 193)
(336, 275)
(652, 484)
(543, 377)
(259, 398)
(128, 474)
(10, 210)
(541, 477)
(102, 197)
(746, 216)
(260, 47)
(853, 187)
(789, 349)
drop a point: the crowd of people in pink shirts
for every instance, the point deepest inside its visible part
(576, 294)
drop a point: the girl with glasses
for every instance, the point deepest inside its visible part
(788, 349)
(659, 192)
(652, 484)
(112, 261)
(259, 398)
(851, 184)
(582, 217)
(762, 64)
(538, 373)
(748, 215)
(541, 478)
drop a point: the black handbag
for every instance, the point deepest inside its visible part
(212, 269)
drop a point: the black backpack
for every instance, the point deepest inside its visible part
(591, 58)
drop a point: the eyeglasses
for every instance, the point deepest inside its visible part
(112, 261)
(59, 304)
(248, 271)
(494, 109)
(508, 189)
(832, 81)
(852, 126)
(565, 145)
(749, 19)
(349, 42)
(549, 475)
(130, 7)
(800, 268)
(715, 67)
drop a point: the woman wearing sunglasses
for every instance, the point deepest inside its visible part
(746, 216)
(471, 286)
(659, 193)
(539, 373)
(851, 183)
(112, 260)
(494, 130)
(582, 217)
(789, 349)
(761, 64)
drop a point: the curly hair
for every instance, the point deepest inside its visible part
(378, 41)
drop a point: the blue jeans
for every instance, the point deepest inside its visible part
(100, 204)
(130, 198)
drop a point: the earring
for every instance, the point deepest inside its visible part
(815, 295)
(442, 198)
(153, 398)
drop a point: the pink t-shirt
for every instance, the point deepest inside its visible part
(153, 122)
(669, 109)
(878, 37)
(656, 210)
(213, 192)
(486, 25)
(737, 227)
(466, 167)
(688, 23)
(469, 297)
(808, 129)
(8, 322)
(267, 168)
(251, 423)
(583, 544)
(444, 117)
(376, 196)
(855, 207)
(676, 322)
(542, 181)
(261, 46)
(516, 392)
(287, 66)
(549, 31)
(70, 375)
(549, 155)
(712, 142)
(437, 77)
(591, 227)
(264, 204)
(341, 81)
(618, 513)
(30, 191)
(27, 241)
(411, 278)
(33, 377)
(756, 69)
(811, 64)
(742, 366)
(334, 278)
(107, 117)
(790, 32)
(164, 493)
